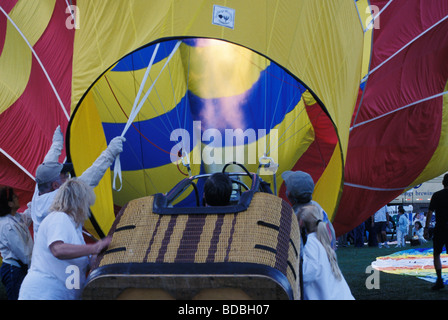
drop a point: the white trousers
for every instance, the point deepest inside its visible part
(401, 242)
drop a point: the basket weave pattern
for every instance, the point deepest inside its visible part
(267, 233)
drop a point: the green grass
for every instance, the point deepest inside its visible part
(354, 261)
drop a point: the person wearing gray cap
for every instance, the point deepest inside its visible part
(299, 190)
(299, 187)
(51, 174)
(321, 280)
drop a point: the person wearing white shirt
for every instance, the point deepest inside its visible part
(16, 243)
(418, 232)
(51, 174)
(380, 222)
(61, 257)
(322, 278)
(402, 228)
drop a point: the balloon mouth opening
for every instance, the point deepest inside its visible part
(204, 102)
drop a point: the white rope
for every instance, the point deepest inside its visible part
(137, 107)
(16, 163)
(376, 16)
(372, 188)
(399, 109)
(133, 114)
(402, 48)
(69, 9)
(39, 61)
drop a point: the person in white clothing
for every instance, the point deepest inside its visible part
(402, 228)
(51, 174)
(418, 233)
(299, 191)
(61, 257)
(16, 243)
(379, 220)
(322, 278)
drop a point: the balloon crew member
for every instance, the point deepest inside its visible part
(51, 174)
(299, 191)
(61, 257)
(16, 242)
(402, 228)
(217, 190)
(439, 206)
(322, 278)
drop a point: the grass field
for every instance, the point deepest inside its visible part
(353, 263)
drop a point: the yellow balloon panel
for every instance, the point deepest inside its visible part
(83, 154)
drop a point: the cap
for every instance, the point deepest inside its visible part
(49, 171)
(299, 184)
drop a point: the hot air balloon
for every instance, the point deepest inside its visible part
(66, 80)
(149, 69)
(305, 85)
(398, 132)
(35, 87)
(58, 72)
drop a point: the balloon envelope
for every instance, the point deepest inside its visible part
(306, 82)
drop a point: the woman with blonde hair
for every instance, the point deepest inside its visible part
(60, 256)
(322, 278)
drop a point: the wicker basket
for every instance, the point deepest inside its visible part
(253, 253)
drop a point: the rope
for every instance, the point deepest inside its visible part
(138, 105)
(40, 63)
(404, 47)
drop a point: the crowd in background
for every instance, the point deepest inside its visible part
(369, 232)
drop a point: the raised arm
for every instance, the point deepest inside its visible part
(56, 146)
(93, 175)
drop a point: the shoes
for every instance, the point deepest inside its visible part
(439, 285)
(385, 245)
